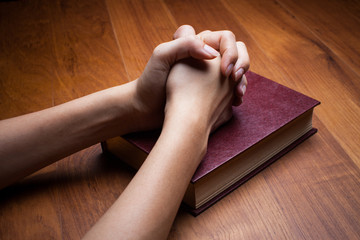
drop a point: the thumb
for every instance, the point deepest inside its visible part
(184, 31)
(190, 46)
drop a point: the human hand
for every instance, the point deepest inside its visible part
(234, 56)
(198, 92)
(150, 87)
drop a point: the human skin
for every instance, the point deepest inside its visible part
(38, 139)
(189, 101)
(198, 99)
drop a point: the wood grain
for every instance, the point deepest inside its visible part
(26, 72)
(214, 13)
(75, 54)
(87, 55)
(88, 60)
(218, 18)
(55, 51)
(25, 82)
(316, 70)
(153, 26)
(339, 33)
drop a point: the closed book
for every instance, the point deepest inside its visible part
(272, 120)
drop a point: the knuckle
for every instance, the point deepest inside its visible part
(240, 44)
(191, 41)
(191, 38)
(202, 35)
(244, 80)
(228, 34)
(206, 32)
(184, 30)
(158, 50)
(185, 27)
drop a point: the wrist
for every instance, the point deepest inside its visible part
(107, 113)
(188, 111)
(189, 125)
(148, 106)
(130, 111)
(124, 108)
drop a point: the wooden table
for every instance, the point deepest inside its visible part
(55, 51)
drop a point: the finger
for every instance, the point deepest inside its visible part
(237, 101)
(242, 63)
(225, 42)
(241, 66)
(239, 91)
(224, 117)
(184, 31)
(241, 87)
(168, 53)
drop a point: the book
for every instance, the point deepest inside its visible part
(272, 120)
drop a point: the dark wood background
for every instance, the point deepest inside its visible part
(55, 51)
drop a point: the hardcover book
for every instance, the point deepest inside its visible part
(272, 120)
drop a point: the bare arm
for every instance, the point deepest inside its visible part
(197, 100)
(33, 141)
(149, 204)
(147, 207)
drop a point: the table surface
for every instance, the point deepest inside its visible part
(55, 51)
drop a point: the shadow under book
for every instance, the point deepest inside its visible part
(272, 120)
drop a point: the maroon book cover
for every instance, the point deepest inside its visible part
(267, 107)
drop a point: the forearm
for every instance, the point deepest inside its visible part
(148, 206)
(197, 97)
(33, 141)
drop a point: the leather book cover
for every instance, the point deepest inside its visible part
(208, 204)
(267, 107)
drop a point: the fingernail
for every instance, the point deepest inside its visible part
(211, 50)
(243, 89)
(229, 69)
(239, 73)
(240, 90)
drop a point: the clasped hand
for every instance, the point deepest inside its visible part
(208, 85)
(188, 85)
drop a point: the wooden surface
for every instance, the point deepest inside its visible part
(55, 51)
